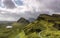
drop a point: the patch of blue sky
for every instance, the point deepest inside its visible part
(1, 4)
(19, 2)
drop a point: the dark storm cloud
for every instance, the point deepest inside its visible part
(9, 4)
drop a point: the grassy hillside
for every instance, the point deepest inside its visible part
(45, 26)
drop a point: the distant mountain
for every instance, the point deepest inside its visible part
(31, 19)
(23, 21)
(7, 21)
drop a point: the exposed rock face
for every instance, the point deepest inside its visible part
(56, 15)
(23, 21)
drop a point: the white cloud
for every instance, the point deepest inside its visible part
(30, 8)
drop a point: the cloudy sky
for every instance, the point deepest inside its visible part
(12, 10)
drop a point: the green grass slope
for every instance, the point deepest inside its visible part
(45, 26)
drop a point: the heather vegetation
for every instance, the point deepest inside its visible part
(45, 26)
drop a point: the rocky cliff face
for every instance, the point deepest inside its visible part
(23, 21)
